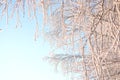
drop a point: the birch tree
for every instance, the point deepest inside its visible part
(86, 34)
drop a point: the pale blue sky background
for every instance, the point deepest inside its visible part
(21, 58)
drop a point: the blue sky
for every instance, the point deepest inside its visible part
(21, 58)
